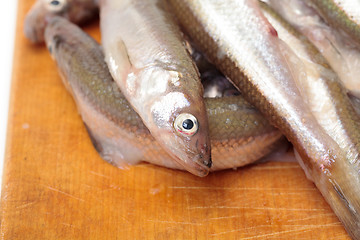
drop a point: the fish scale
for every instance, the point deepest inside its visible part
(348, 20)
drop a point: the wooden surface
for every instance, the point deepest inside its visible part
(55, 185)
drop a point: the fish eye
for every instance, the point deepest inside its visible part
(56, 5)
(186, 124)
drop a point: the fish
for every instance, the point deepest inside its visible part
(343, 15)
(239, 134)
(333, 109)
(147, 58)
(77, 11)
(268, 73)
(339, 51)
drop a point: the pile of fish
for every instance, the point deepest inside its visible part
(141, 98)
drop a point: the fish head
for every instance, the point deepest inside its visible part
(182, 128)
(76, 11)
(53, 34)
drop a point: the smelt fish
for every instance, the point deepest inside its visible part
(340, 51)
(332, 108)
(146, 56)
(343, 15)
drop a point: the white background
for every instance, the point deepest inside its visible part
(7, 26)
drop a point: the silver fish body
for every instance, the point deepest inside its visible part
(343, 15)
(339, 51)
(147, 58)
(332, 108)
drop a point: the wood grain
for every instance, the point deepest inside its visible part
(55, 185)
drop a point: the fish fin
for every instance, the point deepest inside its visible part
(120, 65)
(99, 147)
(115, 155)
(97, 144)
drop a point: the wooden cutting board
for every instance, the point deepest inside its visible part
(55, 185)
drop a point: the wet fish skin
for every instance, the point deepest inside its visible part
(322, 88)
(239, 133)
(329, 102)
(145, 52)
(343, 15)
(77, 11)
(341, 53)
(249, 52)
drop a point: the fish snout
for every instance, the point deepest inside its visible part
(200, 166)
(34, 28)
(36, 21)
(208, 162)
(196, 160)
(199, 146)
(201, 161)
(205, 156)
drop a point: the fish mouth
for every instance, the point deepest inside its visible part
(199, 162)
(34, 30)
(198, 165)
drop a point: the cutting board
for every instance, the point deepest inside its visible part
(55, 185)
